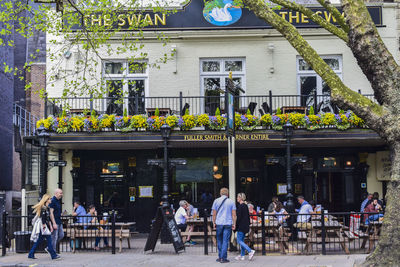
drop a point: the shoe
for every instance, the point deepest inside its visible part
(218, 260)
(239, 258)
(191, 242)
(32, 257)
(251, 254)
(56, 257)
(224, 261)
(45, 249)
(97, 248)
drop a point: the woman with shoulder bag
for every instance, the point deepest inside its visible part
(42, 227)
(243, 227)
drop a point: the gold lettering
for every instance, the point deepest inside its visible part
(107, 20)
(85, 20)
(121, 19)
(95, 20)
(283, 14)
(157, 19)
(291, 17)
(147, 20)
(327, 16)
(135, 19)
(318, 12)
(304, 18)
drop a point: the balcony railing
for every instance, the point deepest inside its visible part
(257, 104)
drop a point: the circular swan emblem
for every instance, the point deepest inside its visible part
(221, 12)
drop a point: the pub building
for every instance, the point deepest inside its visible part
(110, 168)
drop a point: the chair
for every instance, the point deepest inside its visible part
(251, 107)
(185, 107)
(265, 107)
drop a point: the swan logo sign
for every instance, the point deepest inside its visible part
(221, 12)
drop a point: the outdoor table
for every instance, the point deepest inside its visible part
(199, 222)
(372, 233)
(279, 234)
(88, 230)
(333, 234)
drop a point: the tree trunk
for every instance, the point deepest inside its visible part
(387, 252)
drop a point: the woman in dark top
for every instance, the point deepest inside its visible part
(43, 212)
(243, 227)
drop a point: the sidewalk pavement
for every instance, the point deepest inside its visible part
(166, 259)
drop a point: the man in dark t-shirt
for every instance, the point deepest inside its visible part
(55, 216)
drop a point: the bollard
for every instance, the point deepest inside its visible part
(3, 234)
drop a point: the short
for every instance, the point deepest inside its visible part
(182, 227)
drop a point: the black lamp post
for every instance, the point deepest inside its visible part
(43, 138)
(288, 133)
(165, 134)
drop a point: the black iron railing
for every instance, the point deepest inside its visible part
(257, 104)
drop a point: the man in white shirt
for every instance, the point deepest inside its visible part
(180, 217)
(304, 214)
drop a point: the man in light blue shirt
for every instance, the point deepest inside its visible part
(224, 220)
(304, 214)
(79, 212)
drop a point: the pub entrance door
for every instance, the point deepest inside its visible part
(336, 191)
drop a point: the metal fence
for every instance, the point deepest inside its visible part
(83, 233)
(256, 104)
(24, 121)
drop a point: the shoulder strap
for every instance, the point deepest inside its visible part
(221, 204)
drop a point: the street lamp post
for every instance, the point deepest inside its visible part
(288, 133)
(165, 134)
(43, 138)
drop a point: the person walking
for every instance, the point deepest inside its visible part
(42, 227)
(224, 220)
(243, 227)
(55, 216)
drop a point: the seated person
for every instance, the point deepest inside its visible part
(252, 213)
(304, 214)
(280, 213)
(181, 216)
(272, 205)
(93, 220)
(79, 212)
(374, 207)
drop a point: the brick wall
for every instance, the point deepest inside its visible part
(37, 76)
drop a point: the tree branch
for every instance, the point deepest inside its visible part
(314, 17)
(341, 94)
(373, 57)
(336, 14)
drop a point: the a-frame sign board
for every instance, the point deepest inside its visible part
(166, 216)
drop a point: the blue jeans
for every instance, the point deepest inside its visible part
(96, 243)
(53, 254)
(243, 246)
(57, 235)
(223, 236)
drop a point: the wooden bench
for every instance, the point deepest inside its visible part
(301, 235)
(74, 233)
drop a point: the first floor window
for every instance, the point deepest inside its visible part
(126, 86)
(311, 84)
(214, 75)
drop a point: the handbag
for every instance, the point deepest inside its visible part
(46, 230)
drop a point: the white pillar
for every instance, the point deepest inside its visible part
(232, 173)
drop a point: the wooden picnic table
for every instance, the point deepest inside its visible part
(279, 233)
(372, 233)
(89, 230)
(198, 223)
(333, 234)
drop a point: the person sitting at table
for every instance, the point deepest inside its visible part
(253, 213)
(374, 207)
(181, 216)
(280, 213)
(79, 212)
(272, 205)
(304, 214)
(92, 218)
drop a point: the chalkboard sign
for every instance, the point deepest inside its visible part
(166, 216)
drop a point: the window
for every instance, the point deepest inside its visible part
(309, 82)
(214, 74)
(127, 84)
